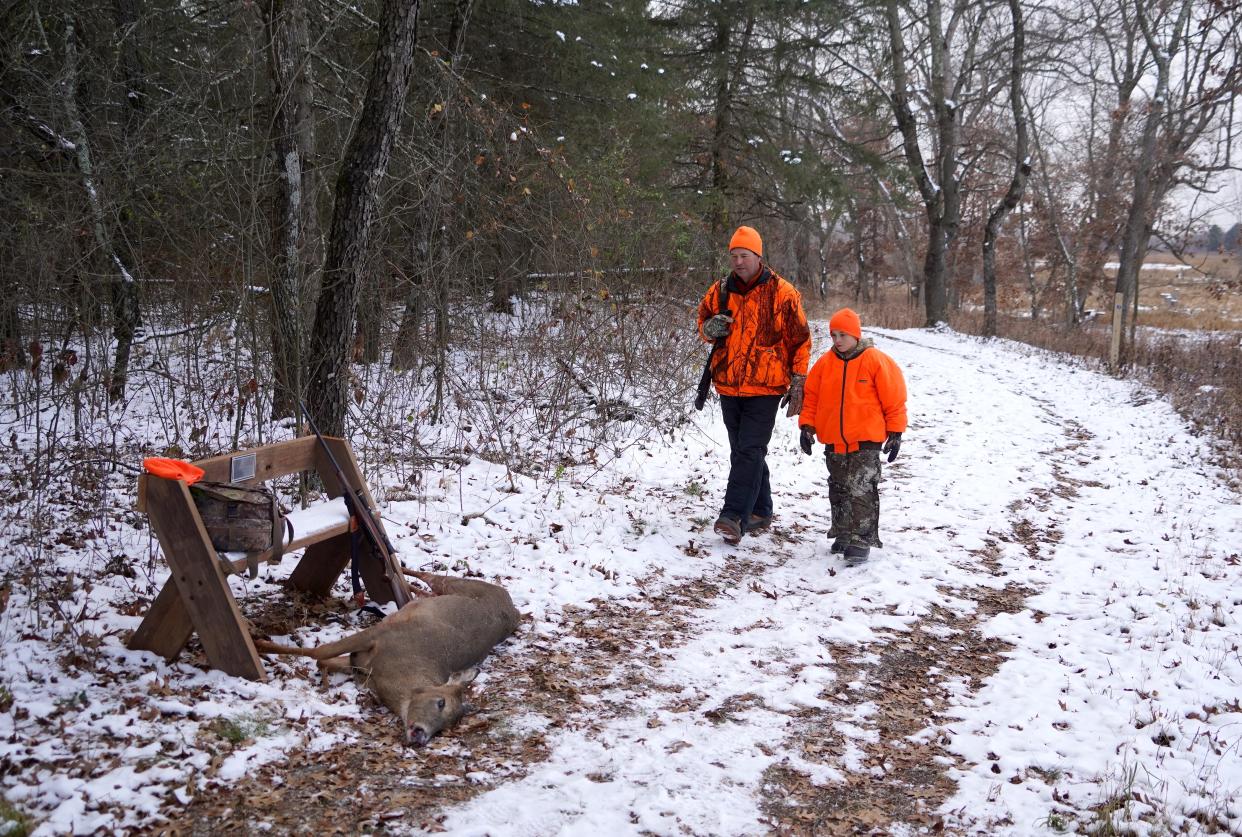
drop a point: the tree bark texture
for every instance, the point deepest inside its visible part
(355, 206)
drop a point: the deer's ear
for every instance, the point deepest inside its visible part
(463, 678)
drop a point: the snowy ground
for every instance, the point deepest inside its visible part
(1049, 640)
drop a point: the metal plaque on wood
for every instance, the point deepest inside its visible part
(242, 468)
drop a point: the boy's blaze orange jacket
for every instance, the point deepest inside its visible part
(769, 340)
(862, 399)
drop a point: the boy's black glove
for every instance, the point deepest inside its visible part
(806, 440)
(892, 445)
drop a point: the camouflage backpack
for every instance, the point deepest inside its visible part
(242, 518)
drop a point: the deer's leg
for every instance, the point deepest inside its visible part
(447, 585)
(333, 665)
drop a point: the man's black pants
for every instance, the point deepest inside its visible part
(749, 420)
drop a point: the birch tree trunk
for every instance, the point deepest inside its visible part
(126, 316)
(355, 207)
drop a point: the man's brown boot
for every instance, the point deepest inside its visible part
(729, 529)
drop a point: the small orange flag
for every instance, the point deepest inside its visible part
(173, 469)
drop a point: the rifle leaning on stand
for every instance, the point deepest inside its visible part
(362, 516)
(705, 380)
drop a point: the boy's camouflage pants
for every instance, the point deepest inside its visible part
(854, 494)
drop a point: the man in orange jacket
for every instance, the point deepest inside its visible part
(856, 405)
(756, 318)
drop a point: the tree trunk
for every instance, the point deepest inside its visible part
(718, 175)
(727, 81)
(1017, 183)
(1103, 231)
(123, 293)
(133, 72)
(857, 249)
(408, 344)
(941, 200)
(1137, 231)
(12, 352)
(369, 324)
(292, 205)
(935, 269)
(355, 206)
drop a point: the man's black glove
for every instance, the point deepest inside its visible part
(793, 397)
(892, 445)
(717, 326)
(806, 440)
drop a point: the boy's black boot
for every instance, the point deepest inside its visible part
(838, 545)
(856, 553)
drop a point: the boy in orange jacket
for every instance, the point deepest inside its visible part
(855, 403)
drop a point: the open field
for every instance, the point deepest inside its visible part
(1206, 294)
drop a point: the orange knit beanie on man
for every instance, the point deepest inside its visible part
(846, 322)
(748, 239)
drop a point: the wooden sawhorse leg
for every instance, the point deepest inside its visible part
(201, 591)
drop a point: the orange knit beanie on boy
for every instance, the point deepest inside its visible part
(846, 321)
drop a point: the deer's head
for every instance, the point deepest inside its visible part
(429, 710)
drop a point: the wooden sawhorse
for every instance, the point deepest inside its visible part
(196, 597)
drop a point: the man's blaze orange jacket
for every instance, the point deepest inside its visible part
(862, 399)
(769, 340)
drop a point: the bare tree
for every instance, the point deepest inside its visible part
(1195, 49)
(938, 180)
(124, 293)
(1021, 169)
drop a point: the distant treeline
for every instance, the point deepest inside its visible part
(1219, 239)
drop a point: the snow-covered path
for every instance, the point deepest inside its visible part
(1019, 474)
(1049, 638)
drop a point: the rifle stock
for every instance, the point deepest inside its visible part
(360, 511)
(705, 380)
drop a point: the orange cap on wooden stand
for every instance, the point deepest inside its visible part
(173, 469)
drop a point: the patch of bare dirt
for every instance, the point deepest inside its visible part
(892, 775)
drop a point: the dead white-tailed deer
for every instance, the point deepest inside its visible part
(420, 659)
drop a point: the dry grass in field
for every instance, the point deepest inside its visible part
(1204, 293)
